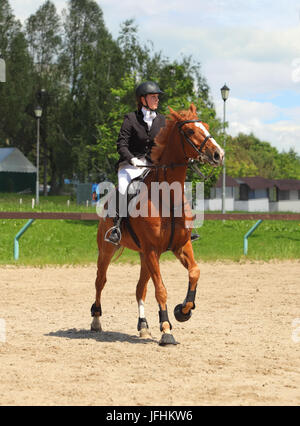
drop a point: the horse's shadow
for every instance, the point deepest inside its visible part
(103, 336)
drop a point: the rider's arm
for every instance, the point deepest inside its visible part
(124, 139)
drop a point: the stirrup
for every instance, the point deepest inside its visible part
(195, 237)
(107, 235)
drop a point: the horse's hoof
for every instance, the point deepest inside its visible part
(179, 315)
(167, 339)
(96, 325)
(145, 333)
(98, 330)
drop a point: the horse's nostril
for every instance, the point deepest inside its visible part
(216, 156)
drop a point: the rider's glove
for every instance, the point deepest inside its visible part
(136, 162)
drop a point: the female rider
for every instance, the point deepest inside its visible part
(134, 144)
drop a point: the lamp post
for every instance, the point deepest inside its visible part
(225, 94)
(2, 70)
(38, 113)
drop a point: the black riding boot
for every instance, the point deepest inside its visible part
(115, 234)
(194, 237)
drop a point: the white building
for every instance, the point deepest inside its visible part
(287, 196)
(215, 201)
(253, 194)
(256, 194)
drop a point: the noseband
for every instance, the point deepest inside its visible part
(199, 150)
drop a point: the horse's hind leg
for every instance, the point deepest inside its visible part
(106, 252)
(141, 290)
(185, 254)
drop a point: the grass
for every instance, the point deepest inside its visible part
(60, 242)
(11, 202)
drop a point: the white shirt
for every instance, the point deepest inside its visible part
(148, 116)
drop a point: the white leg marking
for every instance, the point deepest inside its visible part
(141, 309)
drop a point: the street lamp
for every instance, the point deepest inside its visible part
(2, 70)
(38, 113)
(225, 94)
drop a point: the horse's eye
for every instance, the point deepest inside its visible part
(190, 132)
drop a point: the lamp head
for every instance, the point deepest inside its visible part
(38, 111)
(225, 92)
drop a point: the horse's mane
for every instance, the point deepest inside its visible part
(163, 137)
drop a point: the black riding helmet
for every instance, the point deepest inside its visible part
(147, 88)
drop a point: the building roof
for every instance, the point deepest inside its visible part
(229, 181)
(12, 160)
(256, 182)
(287, 184)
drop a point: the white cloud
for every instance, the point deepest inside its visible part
(249, 79)
(259, 118)
(258, 13)
(22, 9)
(244, 110)
(140, 9)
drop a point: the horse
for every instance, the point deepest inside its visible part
(184, 138)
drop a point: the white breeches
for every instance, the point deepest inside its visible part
(127, 172)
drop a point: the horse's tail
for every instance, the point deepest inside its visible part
(120, 252)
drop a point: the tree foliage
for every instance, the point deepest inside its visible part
(246, 155)
(85, 81)
(15, 128)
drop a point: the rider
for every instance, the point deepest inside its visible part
(134, 144)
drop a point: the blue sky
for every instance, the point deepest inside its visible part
(252, 46)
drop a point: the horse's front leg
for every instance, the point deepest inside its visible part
(141, 290)
(152, 262)
(106, 251)
(185, 254)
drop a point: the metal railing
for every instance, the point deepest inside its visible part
(32, 216)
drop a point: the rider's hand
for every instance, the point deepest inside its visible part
(136, 162)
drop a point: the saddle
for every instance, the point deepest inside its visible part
(132, 191)
(135, 185)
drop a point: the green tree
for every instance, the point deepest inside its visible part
(15, 126)
(104, 152)
(246, 155)
(90, 60)
(44, 35)
(288, 165)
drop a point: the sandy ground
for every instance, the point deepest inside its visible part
(241, 346)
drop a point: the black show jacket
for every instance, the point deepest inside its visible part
(135, 140)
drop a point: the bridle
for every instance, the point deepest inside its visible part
(199, 150)
(202, 156)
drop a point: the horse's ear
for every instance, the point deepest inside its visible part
(174, 114)
(193, 109)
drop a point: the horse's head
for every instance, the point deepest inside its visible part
(196, 141)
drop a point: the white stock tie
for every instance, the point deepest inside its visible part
(148, 117)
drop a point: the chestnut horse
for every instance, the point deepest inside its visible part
(183, 138)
